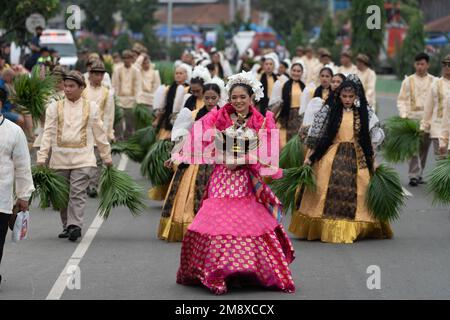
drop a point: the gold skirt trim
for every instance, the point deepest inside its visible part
(337, 231)
(176, 232)
(158, 193)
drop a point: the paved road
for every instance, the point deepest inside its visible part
(125, 260)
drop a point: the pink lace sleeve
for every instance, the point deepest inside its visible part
(198, 147)
(268, 151)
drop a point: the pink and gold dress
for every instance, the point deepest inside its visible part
(236, 235)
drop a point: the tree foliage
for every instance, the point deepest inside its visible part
(14, 13)
(413, 44)
(99, 14)
(327, 38)
(285, 14)
(365, 40)
(297, 37)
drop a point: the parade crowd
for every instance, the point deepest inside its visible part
(227, 216)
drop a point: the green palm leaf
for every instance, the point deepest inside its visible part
(51, 188)
(384, 194)
(293, 154)
(33, 93)
(118, 112)
(293, 178)
(137, 146)
(143, 116)
(152, 166)
(439, 182)
(403, 138)
(117, 189)
(132, 150)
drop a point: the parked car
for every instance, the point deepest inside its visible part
(61, 41)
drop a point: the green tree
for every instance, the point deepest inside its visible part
(413, 44)
(99, 15)
(297, 37)
(365, 40)
(327, 38)
(408, 9)
(14, 14)
(122, 42)
(436, 60)
(156, 48)
(220, 43)
(285, 14)
(138, 13)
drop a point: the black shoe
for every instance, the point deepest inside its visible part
(92, 192)
(421, 181)
(74, 232)
(413, 182)
(64, 234)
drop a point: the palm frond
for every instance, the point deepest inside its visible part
(117, 189)
(384, 194)
(51, 188)
(152, 167)
(145, 138)
(131, 149)
(293, 154)
(293, 179)
(403, 138)
(143, 116)
(108, 66)
(439, 182)
(33, 93)
(118, 112)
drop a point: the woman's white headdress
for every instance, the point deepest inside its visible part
(249, 79)
(223, 91)
(188, 69)
(276, 61)
(202, 73)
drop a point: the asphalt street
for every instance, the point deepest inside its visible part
(123, 259)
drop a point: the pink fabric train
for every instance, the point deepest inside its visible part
(235, 235)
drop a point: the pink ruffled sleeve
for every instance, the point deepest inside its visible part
(268, 151)
(198, 147)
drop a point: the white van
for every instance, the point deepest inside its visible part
(62, 41)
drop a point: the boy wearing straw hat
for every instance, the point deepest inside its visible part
(72, 126)
(411, 105)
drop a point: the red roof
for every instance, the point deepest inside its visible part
(201, 14)
(439, 25)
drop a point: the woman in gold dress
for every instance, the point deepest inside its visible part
(287, 98)
(189, 181)
(167, 104)
(341, 145)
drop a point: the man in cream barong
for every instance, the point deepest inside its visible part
(434, 123)
(411, 105)
(127, 84)
(15, 172)
(72, 126)
(104, 98)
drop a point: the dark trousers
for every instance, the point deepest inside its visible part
(4, 220)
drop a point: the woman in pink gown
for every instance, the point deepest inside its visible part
(237, 234)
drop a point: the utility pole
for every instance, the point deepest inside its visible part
(169, 27)
(247, 10)
(232, 9)
(331, 8)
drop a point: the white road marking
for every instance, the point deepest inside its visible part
(61, 283)
(406, 192)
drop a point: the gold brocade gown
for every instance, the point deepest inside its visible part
(295, 120)
(336, 212)
(158, 193)
(183, 197)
